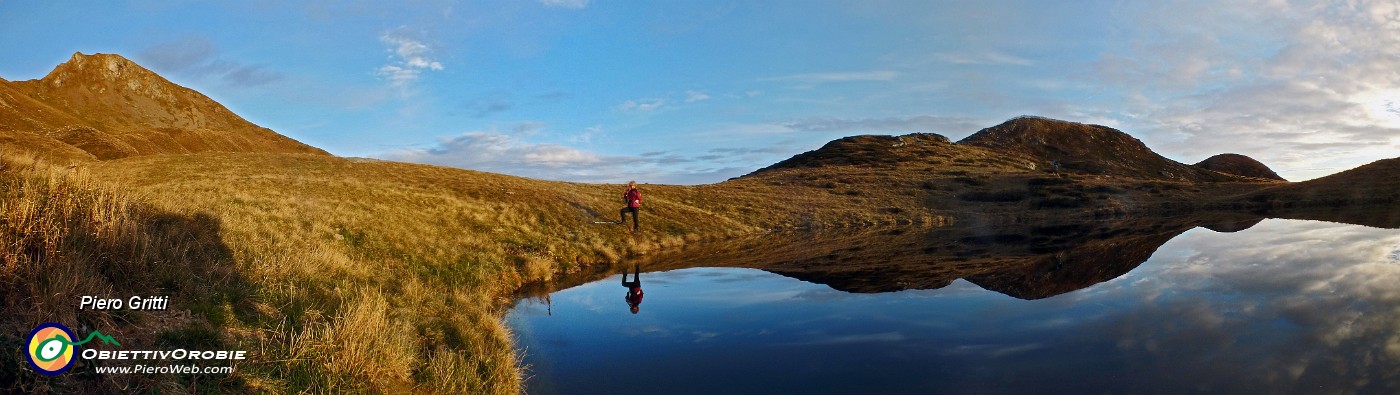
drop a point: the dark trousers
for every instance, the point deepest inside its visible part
(634, 212)
(636, 277)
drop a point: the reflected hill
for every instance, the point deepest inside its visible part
(1025, 259)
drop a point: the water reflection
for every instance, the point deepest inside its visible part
(1027, 258)
(1298, 306)
(1125, 305)
(634, 289)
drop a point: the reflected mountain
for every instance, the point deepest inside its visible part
(1018, 257)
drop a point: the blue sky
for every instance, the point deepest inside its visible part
(700, 91)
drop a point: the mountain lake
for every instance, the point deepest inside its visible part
(1283, 306)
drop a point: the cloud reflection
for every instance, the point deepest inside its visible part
(855, 339)
(1287, 304)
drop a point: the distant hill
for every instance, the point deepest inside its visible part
(106, 107)
(1239, 165)
(1022, 144)
(1084, 148)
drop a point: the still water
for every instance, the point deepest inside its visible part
(1284, 306)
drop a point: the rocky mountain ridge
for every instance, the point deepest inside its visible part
(1029, 143)
(104, 106)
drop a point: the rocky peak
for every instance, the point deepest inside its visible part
(104, 106)
(100, 73)
(97, 67)
(118, 94)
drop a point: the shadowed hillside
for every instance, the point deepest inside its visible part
(107, 107)
(1239, 165)
(65, 235)
(1374, 184)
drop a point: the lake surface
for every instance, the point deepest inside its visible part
(1283, 306)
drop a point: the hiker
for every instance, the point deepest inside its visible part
(634, 288)
(633, 197)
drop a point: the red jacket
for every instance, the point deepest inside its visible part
(633, 198)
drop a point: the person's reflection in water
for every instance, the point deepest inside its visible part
(634, 288)
(1059, 260)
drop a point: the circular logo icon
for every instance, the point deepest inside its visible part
(51, 348)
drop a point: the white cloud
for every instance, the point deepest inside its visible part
(409, 58)
(572, 4)
(1303, 87)
(982, 58)
(588, 133)
(492, 151)
(199, 58)
(695, 96)
(643, 105)
(895, 125)
(509, 152)
(817, 78)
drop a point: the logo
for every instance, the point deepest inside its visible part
(51, 347)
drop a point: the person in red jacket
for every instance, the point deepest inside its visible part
(634, 288)
(633, 197)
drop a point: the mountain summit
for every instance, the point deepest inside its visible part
(1239, 165)
(104, 106)
(1083, 148)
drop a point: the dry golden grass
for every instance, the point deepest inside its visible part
(348, 310)
(64, 235)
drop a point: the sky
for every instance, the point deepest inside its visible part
(691, 92)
